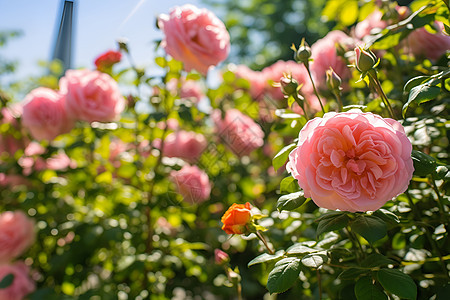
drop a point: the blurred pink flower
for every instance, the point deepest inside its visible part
(430, 45)
(92, 96)
(239, 132)
(16, 234)
(194, 36)
(256, 80)
(9, 143)
(22, 284)
(45, 115)
(107, 59)
(371, 24)
(186, 89)
(192, 183)
(59, 161)
(221, 257)
(184, 144)
(324, 55)
(352, 161)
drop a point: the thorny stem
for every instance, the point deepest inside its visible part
(263, 240)
(314, 87)
(376, 83)
(417, 216)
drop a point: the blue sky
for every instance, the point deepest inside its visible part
(98, 24)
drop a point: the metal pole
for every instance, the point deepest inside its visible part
(63, 44)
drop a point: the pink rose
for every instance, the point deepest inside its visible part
(352, 161)
(92, 96)
(192, 183)
(371, 24)
(22, 284)
(256, 79)
(10, 142)
(44, 114)
(16, 235)
(107, 60)
(324, 55)
(239, 132)
(59, 161)
(194, 36)
(186, 89)
(184, 144)
(431, 45)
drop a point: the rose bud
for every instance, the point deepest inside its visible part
(221, 257)
(288, 85)
(303, 53)
(365, 60)
(236, 218)
(333, 80)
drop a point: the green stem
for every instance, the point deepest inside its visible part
(314, 87)
(319, 283)
(355, 241)
(440, 203)
(301, 104)
(376, 83)
(263, 240)
(339, 100)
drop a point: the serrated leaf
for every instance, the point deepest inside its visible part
(352, 273)
(291, 201)
(365, 289)
(7, 281)
(283, 275)
(282, 156)
(288, 185)
(397, 283)
(315, 260)
(371, 228)
(265, 257)
(332, 223)
(423, 163)
(420, 94)
(376, 260)
(300, 248)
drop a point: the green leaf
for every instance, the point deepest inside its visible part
(420, 94)
(365, 289)
(284, 115)
(7, 281)
(369, 227)
(282, 156)
(315, 260)
(352, 273)
(299, 249)
(283, 275)
(265, 257)
(387, 216)
(447, 29)
(161, 61)
(376, 260)
(414, 82)
(291, 201)
(397, 283)
(349, 12)
(330, 214)
(288, 185)
(423, 163)
(332, 223)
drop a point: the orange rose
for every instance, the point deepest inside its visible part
(236, 218)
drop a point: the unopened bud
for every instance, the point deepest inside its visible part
(333, 80)
(221, 257)
(365, 60)
(123, 44)
(288, 85)
(303, 53)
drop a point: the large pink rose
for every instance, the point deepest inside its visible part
(352, 161)
(22, 284)
(239, 132)
(324, 55)
(44, 114)
(16, 234)
(192, 183)
(194, 36)
(431, 45)
(184, 144)
(92, 96)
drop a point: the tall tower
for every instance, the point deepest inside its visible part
(63, 43)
